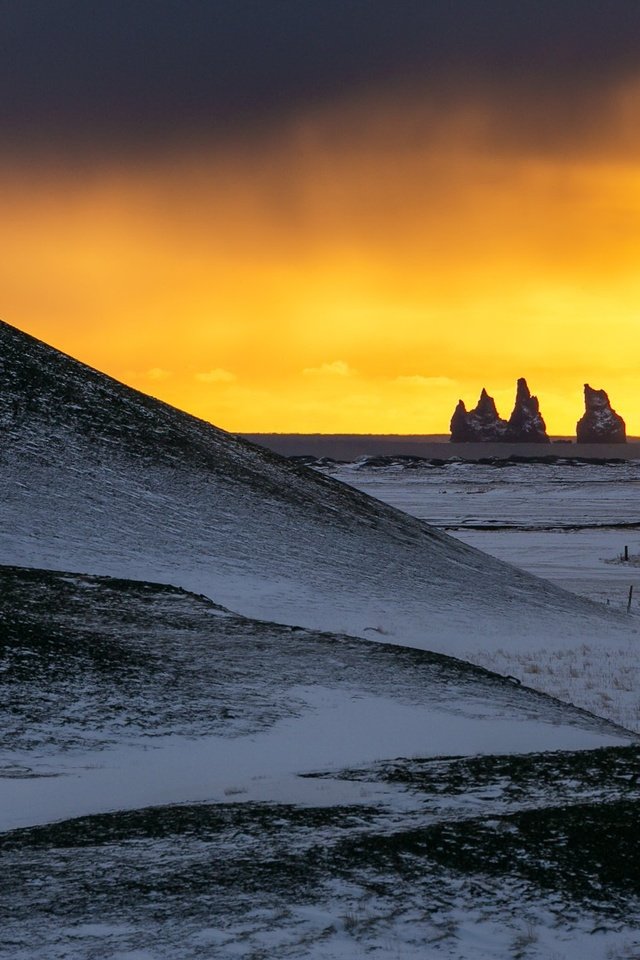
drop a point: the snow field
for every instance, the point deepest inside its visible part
(565, 522)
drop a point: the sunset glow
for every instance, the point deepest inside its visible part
(349, 275)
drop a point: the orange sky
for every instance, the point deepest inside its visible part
(354, 275)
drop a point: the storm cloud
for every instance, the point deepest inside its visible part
(117, 75)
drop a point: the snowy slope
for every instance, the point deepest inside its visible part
(567, 521)
(177, 781)
(96, 672)
(95, 477)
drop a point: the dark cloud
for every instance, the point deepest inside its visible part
(119, 73)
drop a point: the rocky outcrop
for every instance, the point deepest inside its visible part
(525, 423)
(478, 425)
(484, 423)
(600, 423)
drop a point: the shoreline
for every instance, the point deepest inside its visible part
(433, 447)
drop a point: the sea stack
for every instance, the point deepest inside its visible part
(478, 425)
(525, 423)
(600, 423)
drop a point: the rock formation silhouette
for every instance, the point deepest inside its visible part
(478, 425)
(525, 423)
(483, 423)
(600, 423)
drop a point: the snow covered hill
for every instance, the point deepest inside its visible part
(95, 671)
(178, 782)
(96, 477)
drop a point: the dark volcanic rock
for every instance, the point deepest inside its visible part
(525, 423)
(600, 423)
(480, 424)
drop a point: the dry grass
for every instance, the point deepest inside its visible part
(604, 681)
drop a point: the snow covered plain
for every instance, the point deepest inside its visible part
(567, 521)
(183, 781)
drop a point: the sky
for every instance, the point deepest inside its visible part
(335, 216)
